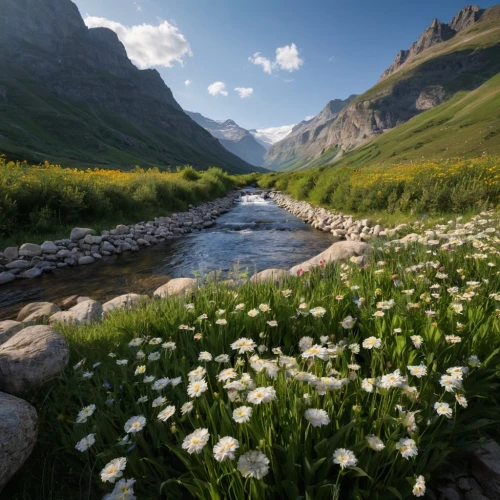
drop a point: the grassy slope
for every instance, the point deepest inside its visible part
(467, 125)
(36, 125)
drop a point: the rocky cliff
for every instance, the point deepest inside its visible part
(71, 94)
(445, 59)
(301, 144)
(233, 137)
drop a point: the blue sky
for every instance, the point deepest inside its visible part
(334, 48)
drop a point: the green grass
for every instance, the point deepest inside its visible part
(300, 456)
(41, 202)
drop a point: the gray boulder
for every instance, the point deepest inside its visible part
(32, 273)
(30, 358)
(121, 229)
(340, 251)
(18, 264)
(177, 286)
(86, 260)
(127, 301)
(9, 328)
(30, 250)
(49, 247)
(79, 233)
(84, 313)
(11, 253)
(6, 278)
(18, 432)
(37, 310)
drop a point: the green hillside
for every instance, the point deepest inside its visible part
(468, 125)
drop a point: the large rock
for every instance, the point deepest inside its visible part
(121, 229)
(342, 250)
(6, 278)
(30, 250)
(37, 310)
(86, 312)
(49, 247)
(79, 233)
(30, 358)
(127, 301)
(86, 260)
(485, 467)
(177, 286)
(276, 275)
(8, 329)
(18, 264)
(11, 253)
(18, 431)
(34, 272)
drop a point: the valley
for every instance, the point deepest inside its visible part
(247, 300)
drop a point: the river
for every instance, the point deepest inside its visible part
(255, 235)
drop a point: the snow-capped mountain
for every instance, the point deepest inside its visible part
(234, 138)
(268, 136)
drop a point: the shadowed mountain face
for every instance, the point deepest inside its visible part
(70, 94)
(447, 58)
(233, 137)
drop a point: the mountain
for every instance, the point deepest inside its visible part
(467, 125)
(70, 94)
(447, 58)
(299, 146)
(268, 136)
(233, 137)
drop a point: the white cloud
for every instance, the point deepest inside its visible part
(138, 7)
(244, 92)
(287, 59)
(148, 45)
(307, 118)
(187, 83)
(259, 60)
(217, 88)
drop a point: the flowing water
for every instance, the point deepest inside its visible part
(255, 235)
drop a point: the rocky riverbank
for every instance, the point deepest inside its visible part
(84, 247)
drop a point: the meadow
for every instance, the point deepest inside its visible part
(415, 188)
(38, 202)
(346, 382)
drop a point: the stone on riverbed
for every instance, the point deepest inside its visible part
(127, 301)
(32, 273)
(18, 431)
(88, 259)
(6, 278)
(30, 250)
(84, 313)
(177, 286)
(9, 328)
(37, 310)
(49, 247)
(30, 358)
(11, 253)
(343, 250)
(276, 275)
(18, 264)
(79, 233)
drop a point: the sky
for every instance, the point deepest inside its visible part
(266, 63)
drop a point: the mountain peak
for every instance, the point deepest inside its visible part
(436, 33)
(465, 17)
